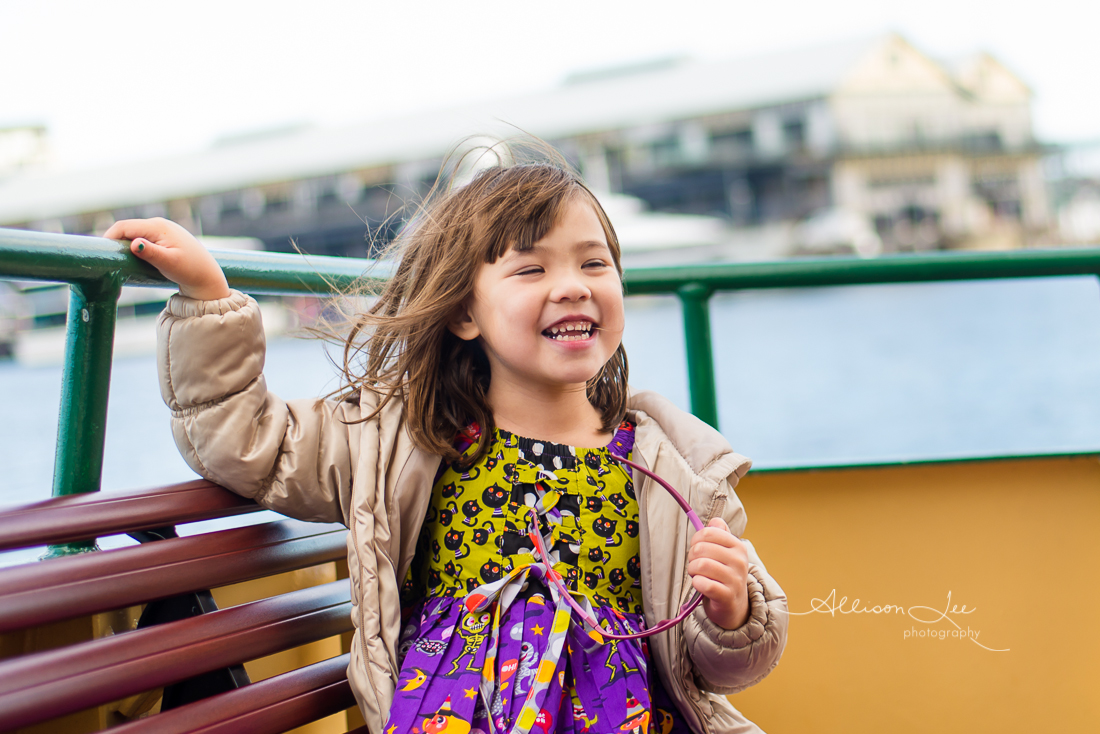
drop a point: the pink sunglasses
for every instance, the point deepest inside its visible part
(556, 578)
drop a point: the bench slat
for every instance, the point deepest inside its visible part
(64, 588)
(81, 517)
(270, 706)
(45, 685)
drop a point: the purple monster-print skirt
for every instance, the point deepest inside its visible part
(470, 672)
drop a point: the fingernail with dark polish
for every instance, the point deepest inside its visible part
(141, 246)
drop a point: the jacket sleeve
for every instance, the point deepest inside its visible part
(729, 661)
(292, 457)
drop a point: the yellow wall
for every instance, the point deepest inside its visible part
(1015, 541)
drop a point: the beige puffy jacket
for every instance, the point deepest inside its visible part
(309, 460)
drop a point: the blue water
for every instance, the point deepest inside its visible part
(810, 376)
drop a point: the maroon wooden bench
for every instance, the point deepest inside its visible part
(183, 643)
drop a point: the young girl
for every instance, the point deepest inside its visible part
(491, 405)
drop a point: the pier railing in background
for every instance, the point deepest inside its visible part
(96, 269)
(694, 284)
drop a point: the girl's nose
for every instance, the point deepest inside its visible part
(570, 287)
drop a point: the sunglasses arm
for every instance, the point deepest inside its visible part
(556, 579)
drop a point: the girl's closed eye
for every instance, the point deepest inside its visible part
(590, 265)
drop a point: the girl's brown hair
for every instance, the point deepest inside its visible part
(401, 347)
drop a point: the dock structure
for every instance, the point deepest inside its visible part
(867, 145)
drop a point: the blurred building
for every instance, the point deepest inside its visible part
(1073, 179)
(934, 155)
(22, 148)
(868, 145)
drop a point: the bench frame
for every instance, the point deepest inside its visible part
(183, 648)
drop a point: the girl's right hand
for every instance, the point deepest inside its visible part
(176, 253)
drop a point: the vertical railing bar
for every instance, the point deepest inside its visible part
(695, 304)
(85, 385)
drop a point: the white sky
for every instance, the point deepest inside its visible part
(118, 80)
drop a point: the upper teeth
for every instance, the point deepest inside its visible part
(562, 330)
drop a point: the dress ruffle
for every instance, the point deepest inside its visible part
(450, 653)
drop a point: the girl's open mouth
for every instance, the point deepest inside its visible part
(570, 331)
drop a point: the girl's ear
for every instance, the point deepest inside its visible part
(462, 323)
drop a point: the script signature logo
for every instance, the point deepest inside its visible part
(926, 615)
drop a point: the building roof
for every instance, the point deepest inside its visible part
(648, 94)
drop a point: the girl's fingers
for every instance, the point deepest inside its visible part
(116, 231)
(716, 536)
(713, 569)
(147, 250)
(723, 553)
(724, 601)
(715, 593)
(164, 259)
(176, 253)
(128, 229)
(713, 541)
(718, 532)
(718, 564)
(709, 588)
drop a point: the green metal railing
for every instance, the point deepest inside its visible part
(694, 284)
(96, 269)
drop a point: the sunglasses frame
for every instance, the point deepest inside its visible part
(556, 578)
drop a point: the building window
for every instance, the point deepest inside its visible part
(732, 143)
(252, 203)
(278, 202)
(665, 152)
(915, 181)
(794, 135)
(1000, 191)
(983, 142)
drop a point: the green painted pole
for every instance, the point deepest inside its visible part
(695, 303)
(85, 383)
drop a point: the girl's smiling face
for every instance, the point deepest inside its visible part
(536, 312)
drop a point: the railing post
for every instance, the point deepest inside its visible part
(695, 303)
(85, 382)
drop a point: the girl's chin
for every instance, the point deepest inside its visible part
(570, 379)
